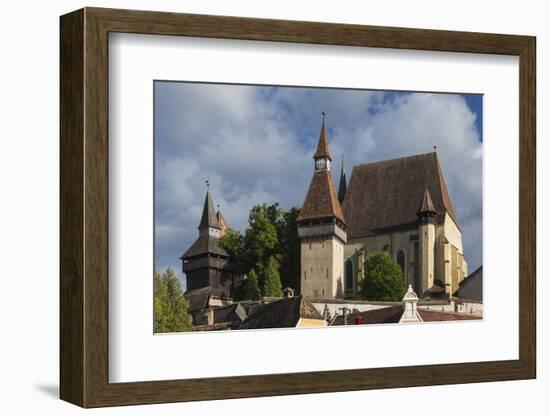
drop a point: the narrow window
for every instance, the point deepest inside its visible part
(401, 261)
(348, 276)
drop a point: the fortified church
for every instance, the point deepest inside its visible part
(400, 206)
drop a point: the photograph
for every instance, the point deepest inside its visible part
(311, 207)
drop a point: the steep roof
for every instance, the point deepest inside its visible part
(198, 298)
(221, 221)
(284, 313)
(205, 244)
(234, 313)
(322, 146)
(387, 315)
(321, 200)
(387, 194)
(427, 205)
(471, 287)
(209, 218)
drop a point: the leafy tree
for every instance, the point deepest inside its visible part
(383, 279)
(170, 305)
(290, 250)
(233, 243)
(252, 288)
(272, 281)
(271, 232)
(261, 238)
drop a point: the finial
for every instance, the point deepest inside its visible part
(207, 185)
(435, 148)
(324, 116)
(218, 206)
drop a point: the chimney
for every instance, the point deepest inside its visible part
(410, 314)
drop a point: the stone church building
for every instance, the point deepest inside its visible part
(400, 206)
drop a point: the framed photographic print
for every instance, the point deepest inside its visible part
(255, 207)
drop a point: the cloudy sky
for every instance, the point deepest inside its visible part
(255, 145)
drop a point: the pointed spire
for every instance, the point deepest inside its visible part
(342, 187)
(322, 147)
(221, 222)
(209, 218)
(427, 206)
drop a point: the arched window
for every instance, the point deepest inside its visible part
(348, 273)
(401, 261)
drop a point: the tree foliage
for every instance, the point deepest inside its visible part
(252, 286)
(171, 307)
(272, 281)
(271, 233)
(383, 279)
(290, 249)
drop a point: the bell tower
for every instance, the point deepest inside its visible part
(322, 230)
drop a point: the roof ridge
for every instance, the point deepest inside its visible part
(379, 162)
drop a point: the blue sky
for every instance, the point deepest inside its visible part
(255, 145)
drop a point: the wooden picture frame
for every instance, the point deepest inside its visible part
(84, 207)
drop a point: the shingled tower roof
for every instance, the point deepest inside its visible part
(322, 146)
(321, 200)
(385, 194)
(427, 205)
(209, 218)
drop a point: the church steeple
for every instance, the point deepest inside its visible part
(209, 220)
(343, 186)
(322, 155)
(322, 231)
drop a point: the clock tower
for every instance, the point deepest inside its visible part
(322, 230)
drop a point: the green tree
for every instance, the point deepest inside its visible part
(272, 281)
(383, 279)
(271, 232)
(261, 239)
(233, 242)
(252, 288)
(171, 307)
(290, 250)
